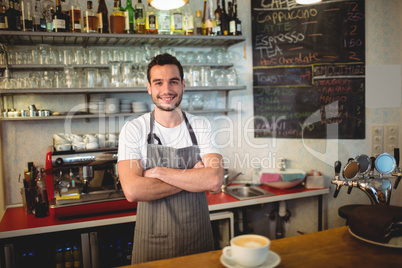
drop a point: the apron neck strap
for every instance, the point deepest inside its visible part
(152, 135)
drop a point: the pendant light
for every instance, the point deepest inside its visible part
(308, 2)
(167, 4)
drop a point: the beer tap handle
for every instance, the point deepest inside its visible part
(337, 166)
(396, 155)
(350, 189)
(372, 166)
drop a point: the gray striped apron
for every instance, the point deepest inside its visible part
(176, 225)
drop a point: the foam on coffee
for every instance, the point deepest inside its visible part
(250, 242)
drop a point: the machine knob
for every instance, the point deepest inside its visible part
(59, 161)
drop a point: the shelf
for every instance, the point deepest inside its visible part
(90, 116)
(95, 39)
(29, 67)
(108, 90)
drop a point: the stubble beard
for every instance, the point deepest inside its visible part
(170, 107)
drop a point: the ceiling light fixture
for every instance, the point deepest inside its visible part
(167, 4)
(308, 2)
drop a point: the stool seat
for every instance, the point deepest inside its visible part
(345, 211)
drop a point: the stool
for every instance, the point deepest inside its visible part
(345, 211)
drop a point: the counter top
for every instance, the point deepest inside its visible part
(330, 248)
(16, 222)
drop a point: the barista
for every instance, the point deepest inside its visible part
(166, 162)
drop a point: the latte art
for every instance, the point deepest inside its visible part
(250, 242)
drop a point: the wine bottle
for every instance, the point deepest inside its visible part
(236, 18)
(151, 24)
(60, 19)
(117, 19)
(163, 22)
(188, 20)
(204, 15)
(103, 20)
(198, 23)
(3, 8)
(75, 16)
(218, 14)
(139, 11)
(90, 19)
(12, 17)
(176, 22)
(224, 20)
(129, 17)
(26, 16)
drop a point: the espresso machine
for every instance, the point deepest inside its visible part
(84, 182)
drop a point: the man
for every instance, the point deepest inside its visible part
(166, 162)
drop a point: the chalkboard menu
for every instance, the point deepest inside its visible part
(309, 69)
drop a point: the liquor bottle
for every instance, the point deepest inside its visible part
(3, 8)
(209, 22)
(218, 14)
(129, 18)
(103, 20)
(12, 17)
(139, 10)
(60, 19)
(26, 16)
(38, 19)
(90, 19)
(188, 20)
(198, 23)
(176, 22)
(75, 16)
(48, 11)
(68, 257)
(237, 20)
(117, 19)
(151, 24)
(163, 21)
(224, 20)
(204, 15)
(17, 7)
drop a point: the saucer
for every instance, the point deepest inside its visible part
(272, 260)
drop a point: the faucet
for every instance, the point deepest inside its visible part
(282, 164)
(227, 181)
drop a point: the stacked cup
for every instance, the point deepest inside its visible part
(77, 142)
(61, 142)
(91, 141)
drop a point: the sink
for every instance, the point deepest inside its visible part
(243, 192)
(282, 179)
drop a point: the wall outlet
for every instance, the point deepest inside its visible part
(377, 140)
(391, 137)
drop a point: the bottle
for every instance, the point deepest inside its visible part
(68, 257)
(237, 20)
(77, 256)
(26, 13)
(38, 20)
(232, 21)
(103, 20)
(198, 23)
(218, 14)
(129, 18)
(90, 19)
(117, 19)
(209, 22)
(224, 20)
(176, 22)
(58, 257)
(75, 16)
(60, 19)
(17, 7)
(204, 15)
(48, 11)
(139, 10)
(188, 20)
(12, 17)
(151, 24)
(163, 21)
(3, 8)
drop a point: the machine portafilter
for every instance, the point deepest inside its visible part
(359, 173)
(87, 176)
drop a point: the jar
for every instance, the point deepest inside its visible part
(197, 102)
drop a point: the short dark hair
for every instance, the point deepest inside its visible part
(163, 59)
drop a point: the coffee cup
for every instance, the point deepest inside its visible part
(248, 250)
(88, 138)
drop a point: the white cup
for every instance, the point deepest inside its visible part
(78, 146)
(88, 138)
(63, 147)
(61, 138)
(92, 145)
(248, 250)
(76, 138)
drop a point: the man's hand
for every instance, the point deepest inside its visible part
(199, 164)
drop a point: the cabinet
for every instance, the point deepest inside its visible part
(83, 40)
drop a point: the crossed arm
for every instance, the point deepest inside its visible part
(159, 182)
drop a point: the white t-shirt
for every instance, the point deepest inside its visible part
(134, 134)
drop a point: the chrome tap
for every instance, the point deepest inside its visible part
(227, 181)
(282, 164)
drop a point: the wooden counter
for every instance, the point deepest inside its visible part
(329, 248)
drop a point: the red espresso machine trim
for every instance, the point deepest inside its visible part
(91, 176)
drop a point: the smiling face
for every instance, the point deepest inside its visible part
(166, 87)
